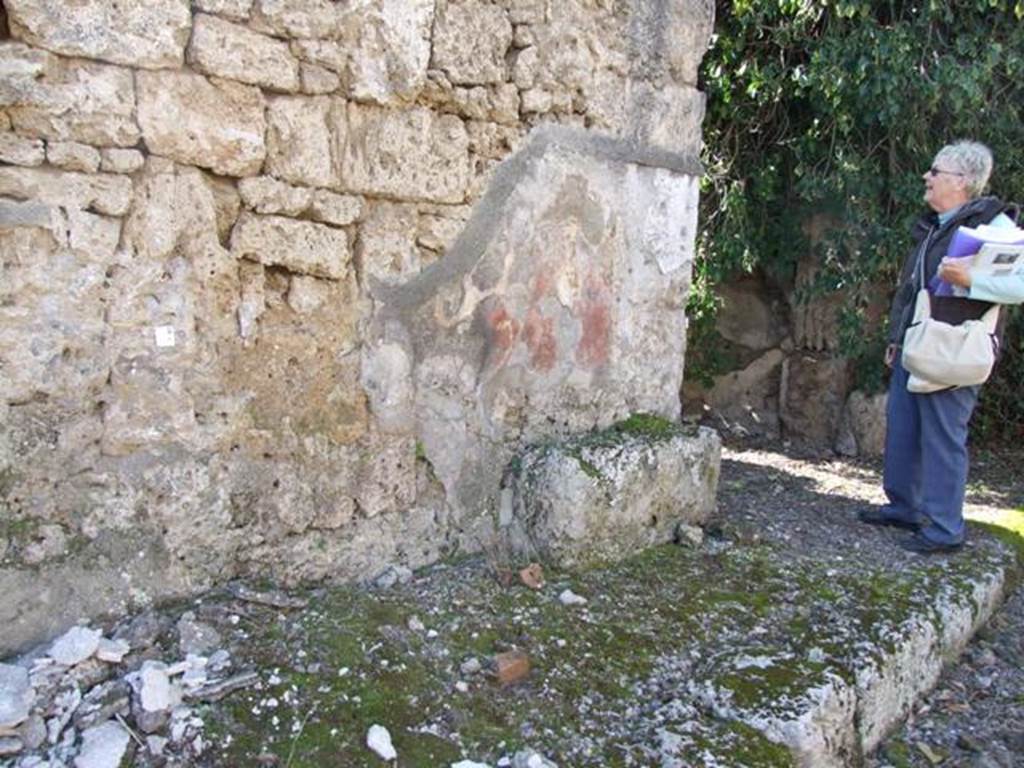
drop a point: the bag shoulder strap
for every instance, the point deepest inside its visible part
(991, 318)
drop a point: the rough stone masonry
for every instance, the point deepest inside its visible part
(284, 284)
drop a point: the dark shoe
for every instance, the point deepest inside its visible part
(875, 516)
(925, 546)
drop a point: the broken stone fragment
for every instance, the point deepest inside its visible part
(392, 575)
(217, 690)
(33, 732)
(75, 645)
(379, 740)
(10, 745)
(273, 598)
(689, 535)
(154, 697)
(16, 695)
(194, 675)
(568, 597)
(102, 703)
(185, 726)
(196, 637)
(156, 745)
(88, 674)
(103, 746)
(155, 687)
(219, 661)
(65, 704)
(112, 651)
(528, 758)
(511, 666)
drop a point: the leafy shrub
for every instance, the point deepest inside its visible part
(837, 107)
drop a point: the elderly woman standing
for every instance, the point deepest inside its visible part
(926, 434)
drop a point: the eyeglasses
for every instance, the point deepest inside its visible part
(936, 171)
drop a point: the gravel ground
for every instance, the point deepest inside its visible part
(615, 679)
(975, 716)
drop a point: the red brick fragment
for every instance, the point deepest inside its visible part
(511, 666)
(532, 576)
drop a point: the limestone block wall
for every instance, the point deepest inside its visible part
(284, 284)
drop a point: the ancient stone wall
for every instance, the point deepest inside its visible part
(786, 374)
(284, 284)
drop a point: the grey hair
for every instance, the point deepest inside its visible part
(971, 158)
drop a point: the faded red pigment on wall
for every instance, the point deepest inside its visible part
(594, 311)
(501, 330)
(539, 334)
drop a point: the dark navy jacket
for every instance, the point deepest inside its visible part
(931, 242)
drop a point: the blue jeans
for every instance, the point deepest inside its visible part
(926, 457)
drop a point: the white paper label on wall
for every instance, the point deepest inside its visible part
(164, 335)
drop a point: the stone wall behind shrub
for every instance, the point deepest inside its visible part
(284, 284)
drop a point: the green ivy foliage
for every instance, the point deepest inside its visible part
(830, 110)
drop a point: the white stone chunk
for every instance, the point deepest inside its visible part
(155, 690)
(379, 740)
(112, 651)
(19, 150)
(528, 758)
(469, 764)
(75, 645)
(72, 156)
(470, 42)
(229, 50)
(115, 160)
(16, 695)
(195, 674)
(568, 597)
(299, 246)
(156, 745)
(138, 34)
(213, 124)
(103, 746)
